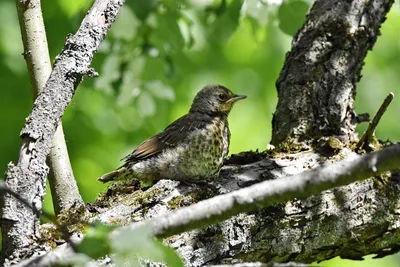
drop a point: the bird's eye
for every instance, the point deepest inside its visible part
(222, 97)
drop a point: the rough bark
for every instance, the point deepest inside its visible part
(348, 221)
(264, 194)
(322, 69)
(19, 224)
(63, 186)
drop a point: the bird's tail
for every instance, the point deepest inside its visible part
(110, 176)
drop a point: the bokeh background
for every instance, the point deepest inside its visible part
(156, 58)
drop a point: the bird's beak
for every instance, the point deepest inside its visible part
(237, 97)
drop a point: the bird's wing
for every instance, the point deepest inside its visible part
(170, 137)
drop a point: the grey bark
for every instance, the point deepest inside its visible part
(63, 186)
(321, 71)
(268, 193)
(19, 224)
(348, 221)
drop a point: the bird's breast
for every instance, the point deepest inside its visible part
(220, 137)
(197, 157)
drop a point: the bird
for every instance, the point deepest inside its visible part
(191, 149)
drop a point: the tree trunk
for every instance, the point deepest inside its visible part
(321, 71)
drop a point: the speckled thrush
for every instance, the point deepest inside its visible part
(191, 149)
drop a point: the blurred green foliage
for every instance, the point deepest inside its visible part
(157, 55)
(126, 247)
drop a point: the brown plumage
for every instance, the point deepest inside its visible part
(192, 148)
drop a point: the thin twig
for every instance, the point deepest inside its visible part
(366, 137)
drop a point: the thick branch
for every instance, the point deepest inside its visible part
(321, 71)
(317, 228)
(348, 221)
(268, 193)
(63, 186)
(19, 224)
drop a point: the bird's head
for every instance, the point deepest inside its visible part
(214, 99)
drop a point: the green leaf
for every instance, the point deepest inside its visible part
(167, 34)
(226, 24)
(173, 4)
(109, 73)
(146, 104)
(291, 15)
(131, 80)
(131, 244)
(259, 11)
(169, 255)
(78, 260)
(154, 69)
(71, 7)
(142, 8)
(10, 39)
(160, 90)
(96, 241)
(125, 26)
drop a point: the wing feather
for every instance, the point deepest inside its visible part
(169, 138)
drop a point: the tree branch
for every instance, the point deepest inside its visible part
(299, 231)
(19, 224)
(322, 69)
(268, 193)
(63, 186)
(365, 140)
(348, 221)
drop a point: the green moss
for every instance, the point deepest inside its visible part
(205, 193)
(334, 143)
(115, 221)
(329, 146)
(382, 179)
(49, 234)
(374, 143)
(128, 192)
(194, 197)
(272, 153)
(146, 197)
(176, 202)
(117, 191)
(291, 145)
(72, 216)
